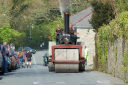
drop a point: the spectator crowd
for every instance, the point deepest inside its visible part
(9, 54)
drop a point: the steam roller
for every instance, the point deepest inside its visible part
(65, 54)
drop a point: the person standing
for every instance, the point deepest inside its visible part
(8, 46)
(20, 59)
(86, 54)
(5, 55)
(14, 48)
(28, 55)
(11, 46)
(41, 46)
(24, 57)
(12, 52)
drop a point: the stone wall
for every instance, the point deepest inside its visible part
(115, 61)
(87, 36)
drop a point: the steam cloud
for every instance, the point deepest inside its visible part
(64, 5)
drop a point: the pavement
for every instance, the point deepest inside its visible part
(39, 75)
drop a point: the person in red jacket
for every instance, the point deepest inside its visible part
(28, 55)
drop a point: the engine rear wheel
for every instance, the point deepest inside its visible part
(81, 67)
(51, 66)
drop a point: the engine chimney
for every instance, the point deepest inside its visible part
(66, 22)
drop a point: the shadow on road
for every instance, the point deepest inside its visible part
(1, 78)
(37, 64)
(8, 74)
(86, 71)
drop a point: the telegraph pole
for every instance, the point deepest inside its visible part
(30, 38)
(30, 35)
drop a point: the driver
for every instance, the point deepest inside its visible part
(59, 30)
(71, 31)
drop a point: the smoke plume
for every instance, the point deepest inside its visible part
(64, 6)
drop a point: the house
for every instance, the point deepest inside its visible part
(85, 31)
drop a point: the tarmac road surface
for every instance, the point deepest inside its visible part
(39, 75)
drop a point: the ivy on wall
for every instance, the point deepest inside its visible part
(118, 27)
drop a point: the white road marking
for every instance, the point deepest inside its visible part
(50, 82)
(105, 82)
(60, 82)
(36, 82)
(99, 81)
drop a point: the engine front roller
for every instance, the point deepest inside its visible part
(66, 59)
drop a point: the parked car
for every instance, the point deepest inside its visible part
(13, 63)
(1, 64)
(17, 60)
(45, 58)
(26, 49)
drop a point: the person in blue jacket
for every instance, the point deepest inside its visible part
(5, 55)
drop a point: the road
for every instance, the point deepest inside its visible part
(39, 75)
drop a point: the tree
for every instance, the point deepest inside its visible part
(102, 14)
(19, 14)
(7, 34)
